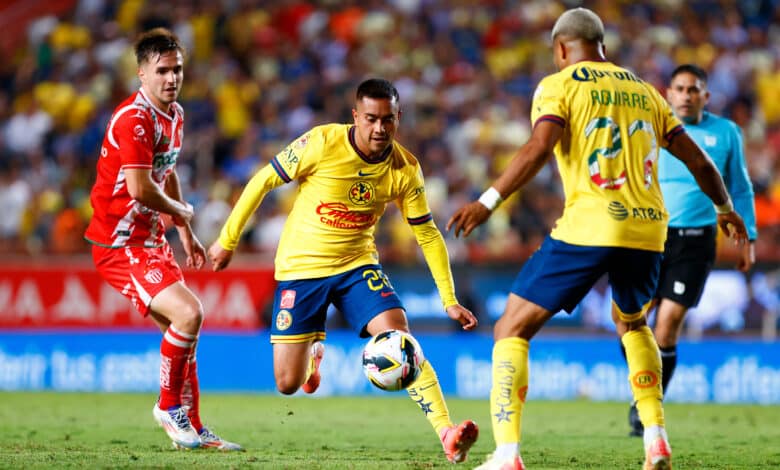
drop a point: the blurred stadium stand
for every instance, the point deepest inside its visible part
(259, 73)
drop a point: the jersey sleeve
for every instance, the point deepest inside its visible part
(438, 260)
(132, 133)
(738, 181)
(413, 203)
(256, 189)
(549, 102)
(669, 125)
(414, 208)
(300, 158)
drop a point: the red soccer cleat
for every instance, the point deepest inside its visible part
(659, 455)
(317, 351)
(457, 440)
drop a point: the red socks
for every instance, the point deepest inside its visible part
(190, 393)
(175, 350)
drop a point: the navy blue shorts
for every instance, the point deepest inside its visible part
(301, 306)
(558, 275)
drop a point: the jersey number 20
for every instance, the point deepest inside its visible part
(611, 152)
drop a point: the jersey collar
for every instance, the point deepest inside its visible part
(366, 158)
(159, 111)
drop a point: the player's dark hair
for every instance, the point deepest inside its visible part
(155, 42)
(377, 88)
(694, 70)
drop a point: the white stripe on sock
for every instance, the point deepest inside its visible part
(176, 341)
(182, 334)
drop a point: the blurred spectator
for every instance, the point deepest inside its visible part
(259, 73)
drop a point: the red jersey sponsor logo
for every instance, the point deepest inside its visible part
(288, 299)
(337, 214)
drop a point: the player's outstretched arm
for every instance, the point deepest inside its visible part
(462, 315)
(221, 251)
(220, 257)
(709, 180)
(436, 257)
(525, 165)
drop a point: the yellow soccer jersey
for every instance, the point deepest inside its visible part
(341, 196)
(613, 124)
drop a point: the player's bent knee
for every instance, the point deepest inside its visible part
(189, 316)
(630, 318)
(287, 385)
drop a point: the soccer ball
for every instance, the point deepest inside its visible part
(392, 360)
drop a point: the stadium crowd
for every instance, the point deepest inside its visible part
(259, 73)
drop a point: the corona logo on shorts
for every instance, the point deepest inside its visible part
(645, 379)
(155, 276)
(361, 193)
(283, 320)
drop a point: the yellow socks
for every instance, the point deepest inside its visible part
(426, 392)
(510, 385)
(644, 374)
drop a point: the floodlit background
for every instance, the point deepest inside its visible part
(260, 73)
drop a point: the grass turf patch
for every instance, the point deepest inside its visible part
(85, 430)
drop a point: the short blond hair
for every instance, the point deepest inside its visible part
(579, 23)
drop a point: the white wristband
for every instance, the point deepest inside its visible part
(491, 198)
(724, 208)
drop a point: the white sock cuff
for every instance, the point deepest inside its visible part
(177, 338)
(506, 451)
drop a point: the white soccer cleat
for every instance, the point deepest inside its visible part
(177, 426)
(509, 463)
(209, 440)
(658, 455)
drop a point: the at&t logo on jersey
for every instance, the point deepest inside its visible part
(361, 193)
(618, 211)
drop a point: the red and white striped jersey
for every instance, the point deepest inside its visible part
(139, 135)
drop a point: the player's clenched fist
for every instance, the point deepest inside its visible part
(219, 256)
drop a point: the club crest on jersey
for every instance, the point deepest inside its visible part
(155, 276)
(301, 143)
(283, 320)
(288, 299)
(361, 193)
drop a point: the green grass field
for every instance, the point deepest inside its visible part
(62, 430)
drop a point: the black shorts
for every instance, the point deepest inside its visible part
(689, 254)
